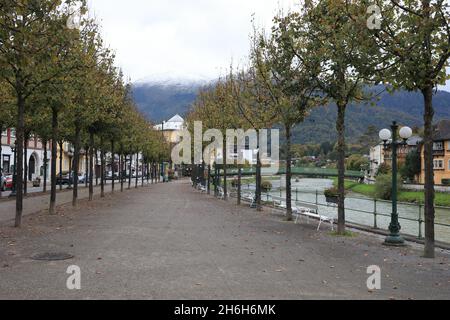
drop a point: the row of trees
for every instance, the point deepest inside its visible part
(59, 83)
(330, 51)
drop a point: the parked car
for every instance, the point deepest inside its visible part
(109, 176)
(3, 183)
(64, 178)
(82, 178)
(7, 182)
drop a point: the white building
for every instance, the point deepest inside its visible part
(376, 159)
(34, 156)
(172, 128)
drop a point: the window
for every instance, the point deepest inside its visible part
(13, 133)
(439, 164)
(6, 163)
(438, 146)
(5, 133)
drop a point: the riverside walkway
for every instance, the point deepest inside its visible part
(168, 241)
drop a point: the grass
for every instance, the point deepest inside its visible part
(442, 199)
(348, 234)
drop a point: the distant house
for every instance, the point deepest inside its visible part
(441, 154)
(34, 156)
(172, 128)
(380, 155)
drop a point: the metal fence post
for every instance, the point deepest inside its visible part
(296, 194)
(317, 197)
(375, 222)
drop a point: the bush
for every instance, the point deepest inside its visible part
(383, 186)
(266, 186)
(384, 169)
(330, 193)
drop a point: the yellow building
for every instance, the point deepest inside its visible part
(67, 159)
(441, 154)
(171, 129)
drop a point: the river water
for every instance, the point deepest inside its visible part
(360, 209)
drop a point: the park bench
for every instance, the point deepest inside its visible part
(311, 211)
(222, 193)
(278, 203)
(249, 197)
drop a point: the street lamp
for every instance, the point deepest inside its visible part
(14, 150)
(394, 239)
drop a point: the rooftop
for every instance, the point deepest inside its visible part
(173, 124)
(442, 130)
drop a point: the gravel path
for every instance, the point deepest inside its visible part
(168, 241)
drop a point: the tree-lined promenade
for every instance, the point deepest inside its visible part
(331, 51)
(59, 82)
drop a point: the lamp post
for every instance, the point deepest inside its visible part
(394, 238)
(13, 189)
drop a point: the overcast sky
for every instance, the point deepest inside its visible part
(181, 38)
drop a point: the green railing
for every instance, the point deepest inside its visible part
(299, 171)
(368, 212)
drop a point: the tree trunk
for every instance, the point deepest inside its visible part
(60, 164)
(86, 174)
(209, 180)
(429, 174)
(45, 166)
(121, 172)
(113, 169)
(76, 163)
(91, 166)
(129, 172)
(19, 154)
(54, 153)
(258, 176)
(1, 159)
(340, 126)
(25, 164)
(239, 190)
(288, 174)
(136, 170)
(96, 166)
(225, 187)
(102, 169)
(142, 173)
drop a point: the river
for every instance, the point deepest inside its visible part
(311, 191)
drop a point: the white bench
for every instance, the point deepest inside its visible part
(222, 193)
(278, 203)
(249, 197)
(311, 211)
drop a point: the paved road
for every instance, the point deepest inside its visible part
(167, 241)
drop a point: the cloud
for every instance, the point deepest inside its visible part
(179, 37)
